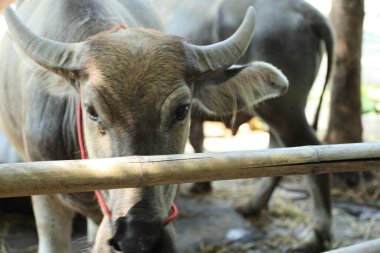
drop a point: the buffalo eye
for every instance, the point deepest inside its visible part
(92, 114)
(181, 112)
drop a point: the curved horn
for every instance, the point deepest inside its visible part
(57, 56)
(221, 55)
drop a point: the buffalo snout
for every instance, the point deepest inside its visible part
(138, 235)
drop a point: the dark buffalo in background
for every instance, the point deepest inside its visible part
(290, 34)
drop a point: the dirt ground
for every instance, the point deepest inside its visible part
(285, 222)
(211, 224)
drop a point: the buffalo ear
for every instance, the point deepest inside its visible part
(239, 87)
(65, 59)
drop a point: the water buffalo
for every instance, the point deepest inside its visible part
(290, 35)
(136, 87)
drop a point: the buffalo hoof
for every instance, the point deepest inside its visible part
(352, 179)
(201, 188)
(315, 243)
(249, 210)
(253, 207)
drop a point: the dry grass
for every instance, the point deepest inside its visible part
(285, 221)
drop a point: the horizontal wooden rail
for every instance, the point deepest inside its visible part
(21, 179)
(372, 246)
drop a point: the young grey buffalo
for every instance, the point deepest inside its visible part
(137, 87)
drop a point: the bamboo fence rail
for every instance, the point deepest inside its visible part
(22, 179)
(372, 246)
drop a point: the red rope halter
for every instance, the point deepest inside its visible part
(98, 193)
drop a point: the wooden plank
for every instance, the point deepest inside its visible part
(75, 176)
(372, 246)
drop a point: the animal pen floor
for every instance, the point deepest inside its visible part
(210, 224)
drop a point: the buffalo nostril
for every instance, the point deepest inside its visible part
(136, 234)
(114, 244)
(121, 229)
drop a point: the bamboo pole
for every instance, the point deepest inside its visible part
(22, 179)
(372, 246)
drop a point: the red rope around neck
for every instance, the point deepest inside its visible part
(98, 193)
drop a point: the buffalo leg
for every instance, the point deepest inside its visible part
(265, 190)
(262, 197)
(92, 229)
(196, 137)
(54, 224)
(319, 237)
(301, 134)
